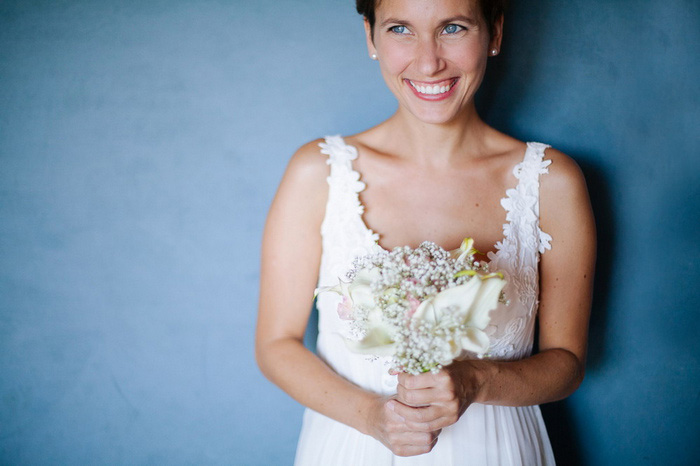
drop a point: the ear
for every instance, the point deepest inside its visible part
(370, 40)
(496, 34)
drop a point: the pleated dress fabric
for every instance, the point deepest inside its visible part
(485, 434)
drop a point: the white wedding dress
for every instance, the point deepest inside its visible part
(485, 434)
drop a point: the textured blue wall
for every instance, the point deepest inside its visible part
(141, 143)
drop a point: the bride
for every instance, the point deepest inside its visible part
(432, 171)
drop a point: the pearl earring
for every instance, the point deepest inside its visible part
(374, 56)
(494, 52)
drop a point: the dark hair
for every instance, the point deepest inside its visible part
(490, 9)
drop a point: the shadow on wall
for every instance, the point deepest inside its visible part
(506, 86)
(502, 78)
(561, 425)
(603, 209)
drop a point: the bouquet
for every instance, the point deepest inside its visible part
(424, 307)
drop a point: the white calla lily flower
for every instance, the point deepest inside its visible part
(356, 293)
(471, 303)
(360, 290)
(475, 340)
(378, 340)
(486, 300)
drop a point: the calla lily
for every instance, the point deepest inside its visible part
(360, 289)
(471, 303)
(458, 298)
(378, 340)
(486, 300)
(357, 293)
(475, 340)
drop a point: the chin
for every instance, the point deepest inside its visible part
(434, 117)
(435, 113)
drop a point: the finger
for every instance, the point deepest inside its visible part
(443, 393)
(393, 411)
(412, 450)
(417, 397)
(413, 443)
(421, 415)
(399, 416)
(428, 418)
(411, 437)
(434, 425)
(413, 382)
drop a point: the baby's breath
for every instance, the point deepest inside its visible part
(406, 277)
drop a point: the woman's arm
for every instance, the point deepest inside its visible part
(566, 282)
(291, 253)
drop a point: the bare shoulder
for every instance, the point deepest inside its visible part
(295, 219)
(567, 267)
(308, 162)
(565, 207)
(303, 191)
(306, 174)
(565, 178)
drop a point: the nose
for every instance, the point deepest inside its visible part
(429, 57)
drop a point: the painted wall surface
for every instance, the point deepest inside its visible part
(141, 143)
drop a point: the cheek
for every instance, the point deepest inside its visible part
(394, 60)
(469, 59)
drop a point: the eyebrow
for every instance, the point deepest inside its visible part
(393, 20)
(466, 19)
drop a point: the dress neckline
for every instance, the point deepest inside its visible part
(361, 186)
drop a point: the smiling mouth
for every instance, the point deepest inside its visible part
(433, 90)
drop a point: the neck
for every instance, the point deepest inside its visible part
(438, 144)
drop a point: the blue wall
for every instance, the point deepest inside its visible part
(141, 143)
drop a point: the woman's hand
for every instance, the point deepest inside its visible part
(432, 401)
(392, 429)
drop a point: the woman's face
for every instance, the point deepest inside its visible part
(432, 54)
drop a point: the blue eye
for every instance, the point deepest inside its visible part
(453, 29)
(399, 29)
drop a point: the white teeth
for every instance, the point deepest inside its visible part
(431, 90)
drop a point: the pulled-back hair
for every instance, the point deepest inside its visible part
(490, 9)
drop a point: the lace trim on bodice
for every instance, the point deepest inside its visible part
(522, 206)
(346, 236)
(518, 255)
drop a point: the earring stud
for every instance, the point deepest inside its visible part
(494, 52)
(374, 56)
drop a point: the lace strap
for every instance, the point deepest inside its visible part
(340, 157)
(344, 186)
(535, 165)
(522, 203)
(339, 153)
